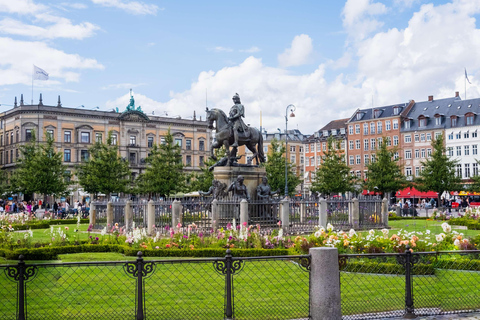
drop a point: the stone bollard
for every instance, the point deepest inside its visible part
(243, 211)
(150, 217)
(109, 216)
(325, 296)
(385, 212)
(285, 213)
(92, 216)
(399, 210)
(176, 213)
(128, 215)
(355, 214)
(215, 215)
(302, 211)
(322, 213)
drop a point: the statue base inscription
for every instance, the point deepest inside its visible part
(252, 175)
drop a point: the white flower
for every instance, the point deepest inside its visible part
(446, 227)
(104, 231)
(322, 230)
(329, 227)
(457, 243)
(352, 233)
(318, 234)
(371, 232)
(439, 238)
(385, 233)
(427, 232)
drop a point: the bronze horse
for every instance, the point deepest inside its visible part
(224, 137)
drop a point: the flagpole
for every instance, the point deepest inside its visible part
(465, 81)
(33, 71)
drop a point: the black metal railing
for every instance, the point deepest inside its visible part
(338, 209)
(377, 286)
(197, 212)
(370, 213)
(264, 212)
(304, 214)
(209, 288)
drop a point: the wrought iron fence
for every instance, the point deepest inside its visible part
(370, 213)
(228, 210)
(163, 214)
(101, 214)
(139, 216)
(209, 288)
(264, 212)
(304, 214)
(118, 213)
(197, 211)
(375, 286)
(338, 212)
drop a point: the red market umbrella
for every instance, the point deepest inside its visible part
(414, 193)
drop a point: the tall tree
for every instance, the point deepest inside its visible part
(203, 181)
(41, 169)
(164, 174)
(475, 186)
(333, 176)
(104, 171)
(438, 173)
(385, 174)
(275, 167)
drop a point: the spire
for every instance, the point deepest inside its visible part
(40, 103)
(59, 103)
(15, 104)
(21, 99)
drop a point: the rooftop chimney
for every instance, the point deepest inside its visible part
(59, 103)
(457, 94)
(430, 98)
(21, 99)
(15, 104)
(40, 102)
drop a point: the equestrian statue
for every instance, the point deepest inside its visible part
(232, 132)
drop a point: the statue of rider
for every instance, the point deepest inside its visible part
(237, 111)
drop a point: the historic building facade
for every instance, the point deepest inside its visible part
(76, 130)
(316, 145)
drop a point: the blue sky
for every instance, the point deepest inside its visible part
(326, 57)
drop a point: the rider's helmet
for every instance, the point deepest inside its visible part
(236, 98)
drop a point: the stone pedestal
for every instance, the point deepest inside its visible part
(253, 177)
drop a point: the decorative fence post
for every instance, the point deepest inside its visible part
(385, 212)
(407, 261)
(21, 274)
(109, 215)
(285, 213)
(302, 210)
(176, 213)
(215, 214)
(92, 216)
(354, 213)
(243, 211)
(322, 213)
(128, 215)
(150, 217)
(139, 270)
(228, 268)
(325, 302)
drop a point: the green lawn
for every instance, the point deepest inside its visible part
(423, 225)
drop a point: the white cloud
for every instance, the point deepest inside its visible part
(358, 17)
(299, 52)
(251, 50)
(61, 28)
(133, 7)
(122, 86)
(222, 49)
(16, 62)
(21, 6)
(75, 5)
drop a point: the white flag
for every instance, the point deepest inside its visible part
(39, 74)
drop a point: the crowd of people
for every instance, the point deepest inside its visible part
(57, 209)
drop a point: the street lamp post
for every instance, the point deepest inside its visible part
(292, 109)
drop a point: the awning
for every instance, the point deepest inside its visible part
(464, 193)
(369, 193)
(414, 193)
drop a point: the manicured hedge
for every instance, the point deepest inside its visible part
(407, 218)
(471, 224)
(51, 253)
(45, 224)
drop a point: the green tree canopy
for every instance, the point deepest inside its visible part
(475, 186)
(438, 173)
(385, 174)
(164, 174)
(41, 169)
(275, 167)
(104, 171)
(203, 181)
(333, 175)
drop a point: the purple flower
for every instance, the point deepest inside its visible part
(96, 238)
(186, 237)
(90, 237)
(238, 227)
(229, 226)
(90, 227)
(167, 227)
(230, 238)
(200, 234)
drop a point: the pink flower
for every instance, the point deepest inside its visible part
(157, 247)
(66, 228)
(279, 223)
(179, 225)
(244, 224)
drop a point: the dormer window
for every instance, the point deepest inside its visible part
(396, 110)
(438, 119)
(453, 121)
(359, 115)
(377, 113)
(407, 123)
(334, 132)
(469, 118)
(342, 130)
(325, 133)
(422, 121)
